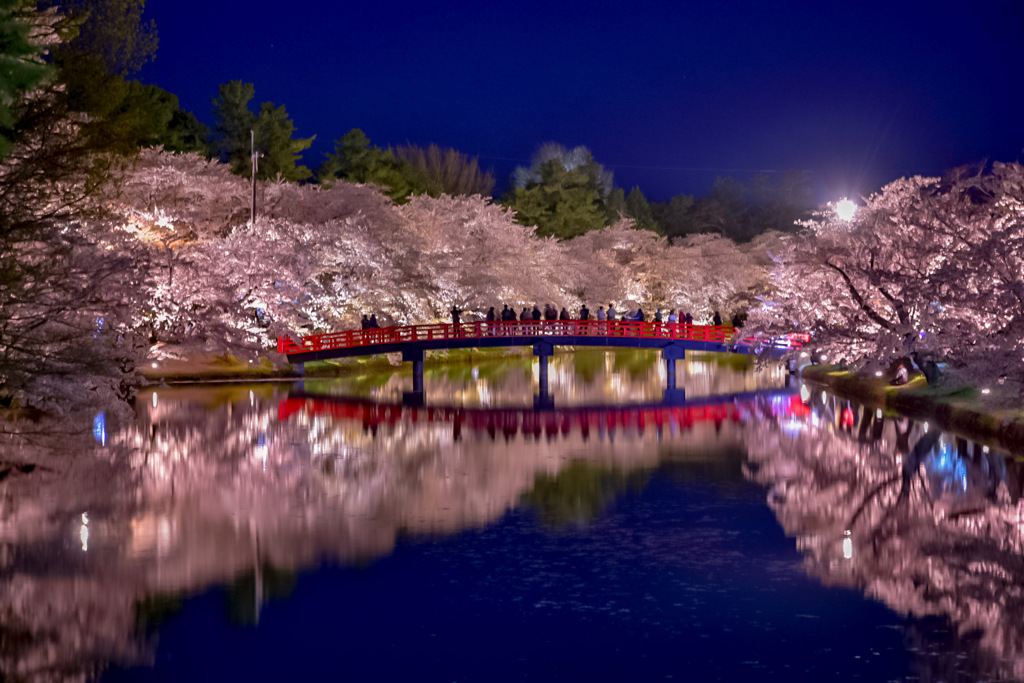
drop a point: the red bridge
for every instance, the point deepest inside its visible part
(412, 341)
(477, 334)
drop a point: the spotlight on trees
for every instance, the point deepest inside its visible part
(845, 209)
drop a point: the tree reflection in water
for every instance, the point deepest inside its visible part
(926, 522)
(241, 487)
(237, 486)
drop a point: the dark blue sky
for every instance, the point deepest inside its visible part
(668, 94)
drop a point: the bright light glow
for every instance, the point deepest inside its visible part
(154, 365)
(878, 373)
(154, 399)
(848, 548)
(878, 414)
(986, 391)
(845, 209)
(84, 532)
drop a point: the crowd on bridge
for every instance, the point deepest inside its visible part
(550, 312)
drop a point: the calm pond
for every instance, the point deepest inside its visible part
(755, 531)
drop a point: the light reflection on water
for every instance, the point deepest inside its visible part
(243, 485)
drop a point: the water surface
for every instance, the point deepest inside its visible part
(283, 531)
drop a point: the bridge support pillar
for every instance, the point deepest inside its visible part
(415, 397)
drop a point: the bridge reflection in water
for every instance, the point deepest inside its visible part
(583, 420)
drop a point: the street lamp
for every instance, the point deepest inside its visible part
(846, 209)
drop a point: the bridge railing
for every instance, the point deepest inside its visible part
(489, 330)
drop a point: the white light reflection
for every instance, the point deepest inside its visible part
(252, 398)
(154, 399)
(84, 532)
(262, 449)
(878, 414)
(848, 548)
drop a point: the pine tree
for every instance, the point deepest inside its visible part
(639, 210)
(21, 63)
(280, 152)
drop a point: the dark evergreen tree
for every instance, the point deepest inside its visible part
(435, 171)
(561, 202)
(675, 218)
(357, 161)
(160, 121)
(639, 210)
(233, 121)
(21, 63)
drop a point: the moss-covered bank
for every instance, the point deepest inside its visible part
(955, 409)
(228, 368)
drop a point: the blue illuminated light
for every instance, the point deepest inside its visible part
(99, 428)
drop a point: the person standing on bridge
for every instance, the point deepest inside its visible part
(364, 323)
(525, 315)
(372, 323)
(601, 315)
(716, 320)
(688, 318)
(456, 321)
(584, 312)
(611, 312)
(673, 317)
(489, 319)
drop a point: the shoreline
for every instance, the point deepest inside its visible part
(955, 409)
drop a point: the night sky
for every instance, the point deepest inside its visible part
(669, 95)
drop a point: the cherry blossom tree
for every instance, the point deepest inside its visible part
(931, 268)
(70, 284)
(699, 274)
(318, 258)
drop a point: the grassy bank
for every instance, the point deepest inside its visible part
(220, 368)
(959, 409)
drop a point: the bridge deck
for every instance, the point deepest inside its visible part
(528, 333)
